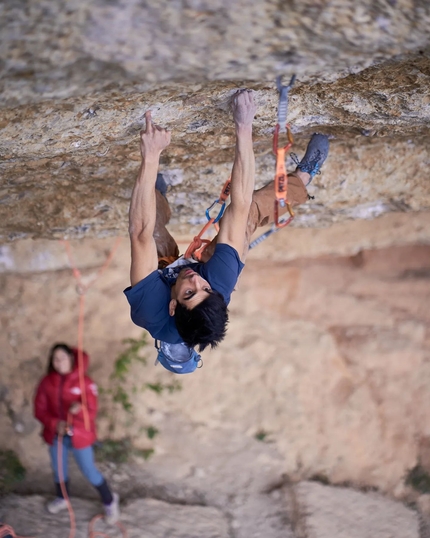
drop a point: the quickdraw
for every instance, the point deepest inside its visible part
(281, 176)
(198, 245)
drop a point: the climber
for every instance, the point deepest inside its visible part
(58, 406)
(187, 301)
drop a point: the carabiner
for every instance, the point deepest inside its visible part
(220, 213)
(281, 223)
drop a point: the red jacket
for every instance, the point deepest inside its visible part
(54, 396)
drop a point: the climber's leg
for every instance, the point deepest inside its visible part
(166, 245)
(263, 201)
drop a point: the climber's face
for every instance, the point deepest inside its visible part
(190, 290)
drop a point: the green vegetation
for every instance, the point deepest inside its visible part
(419, 479)
(321, 478)
(261, 435)
(151, 432)
(120, 450)
(11, 470)
(118, 396)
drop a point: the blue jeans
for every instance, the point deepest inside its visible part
(84, 457)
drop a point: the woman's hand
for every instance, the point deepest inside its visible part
(75, 408)
(61, 427)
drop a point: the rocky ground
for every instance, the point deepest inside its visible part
(232, 489)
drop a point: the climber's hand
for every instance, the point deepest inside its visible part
(153, 139)
(243, 107)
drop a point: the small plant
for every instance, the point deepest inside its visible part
(11, 470)
(160, 387)
(419, 479)
(145, 453)
(119, 396)
(321, 478)
(119, 450)
(261, 435)
(118, 378)
(151, 432)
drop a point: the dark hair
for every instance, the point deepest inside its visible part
(205, 324)
(54, 348)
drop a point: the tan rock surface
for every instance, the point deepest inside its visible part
(327, 356)
(344, 513)
(63, 49)
(83, 76)
(146, 518)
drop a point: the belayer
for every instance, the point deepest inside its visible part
(58, 406)
(186, 302)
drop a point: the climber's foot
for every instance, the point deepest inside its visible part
(161, 184)
(316, 154)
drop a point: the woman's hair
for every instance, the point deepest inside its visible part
(204, 325)
(54, 348)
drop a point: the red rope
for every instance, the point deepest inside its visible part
(97, 534)
(82, 290)
(91, 532)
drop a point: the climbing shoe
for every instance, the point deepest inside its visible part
(316, 154)
(161, 184)
(57, 505)
(112, 510)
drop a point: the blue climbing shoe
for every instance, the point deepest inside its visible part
(161, 184)
(316, 154)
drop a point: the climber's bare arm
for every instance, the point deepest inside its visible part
(143, 205)
(234, 222)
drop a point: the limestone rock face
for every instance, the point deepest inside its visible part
(77, 78)
(328, 357)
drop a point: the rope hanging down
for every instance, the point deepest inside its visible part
(91, 532)
(82, 289)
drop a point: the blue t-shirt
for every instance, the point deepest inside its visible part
(149, 299)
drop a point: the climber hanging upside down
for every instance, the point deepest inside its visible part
(187, 301)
